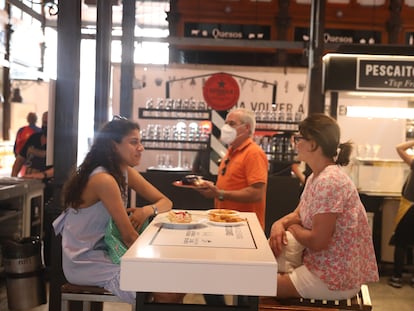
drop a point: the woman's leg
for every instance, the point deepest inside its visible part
(285, 287)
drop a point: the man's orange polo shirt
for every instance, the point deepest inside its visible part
(246, 165)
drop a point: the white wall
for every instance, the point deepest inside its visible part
(290, 82)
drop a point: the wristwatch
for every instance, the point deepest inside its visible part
(154, 210)
(221, 195)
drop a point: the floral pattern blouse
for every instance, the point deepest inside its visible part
(349, 260)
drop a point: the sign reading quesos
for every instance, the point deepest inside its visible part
(385, 75)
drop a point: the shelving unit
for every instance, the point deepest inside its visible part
(174, 114)
(159, 144)
(278, 135)
(176, 143)
(276, 143)
(282, 126)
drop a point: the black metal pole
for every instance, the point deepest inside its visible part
(316, 48)
(127, 61)
(66, 120)
(103, 61)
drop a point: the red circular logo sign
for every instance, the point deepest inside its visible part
(221, 91)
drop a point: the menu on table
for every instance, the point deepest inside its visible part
(239, 236)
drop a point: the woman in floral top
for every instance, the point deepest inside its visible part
(330, 221)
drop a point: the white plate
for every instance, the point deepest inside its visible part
(227, 224)
(226, 211)
(195, 221)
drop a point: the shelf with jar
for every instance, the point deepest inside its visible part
(282, 126)
(189, 130)
(170, 109)
(278, 120)
(167, 145)
(278, 146)
(180, 136)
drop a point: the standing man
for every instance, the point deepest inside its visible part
(242, 176)
(33, 153)
(25, 132)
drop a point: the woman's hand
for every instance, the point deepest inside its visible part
(137, 216)
(277, 238)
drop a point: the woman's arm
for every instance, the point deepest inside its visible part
(17, 165)
(278, 231)
(298, 173)
(159, 202)
(103, 187)
(41, 175)
(402, 151)
(319, 237)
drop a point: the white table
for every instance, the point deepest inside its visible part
(205, 259)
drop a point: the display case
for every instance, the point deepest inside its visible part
(383, 177)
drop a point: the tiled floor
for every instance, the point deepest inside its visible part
(384, 298)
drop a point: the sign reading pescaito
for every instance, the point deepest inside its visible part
(385, 75)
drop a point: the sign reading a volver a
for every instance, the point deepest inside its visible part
(385, 75)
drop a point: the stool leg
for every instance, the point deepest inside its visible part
(86, 306)
(64, 305)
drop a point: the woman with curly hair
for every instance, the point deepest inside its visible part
(96, 193)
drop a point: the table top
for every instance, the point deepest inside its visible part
(201, 258)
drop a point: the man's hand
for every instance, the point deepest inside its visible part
(207, 189)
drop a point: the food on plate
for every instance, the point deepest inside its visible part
(179, 217)
(224, 215)
(192, 180)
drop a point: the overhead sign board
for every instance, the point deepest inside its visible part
(385, 75)
(226, 31)
(341, 36)
(366, 73)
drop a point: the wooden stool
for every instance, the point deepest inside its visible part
(86, 294)
(361, 301)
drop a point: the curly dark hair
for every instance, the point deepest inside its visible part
(102, 153)
(325, 131)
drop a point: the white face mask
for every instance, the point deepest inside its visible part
(228, 134)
